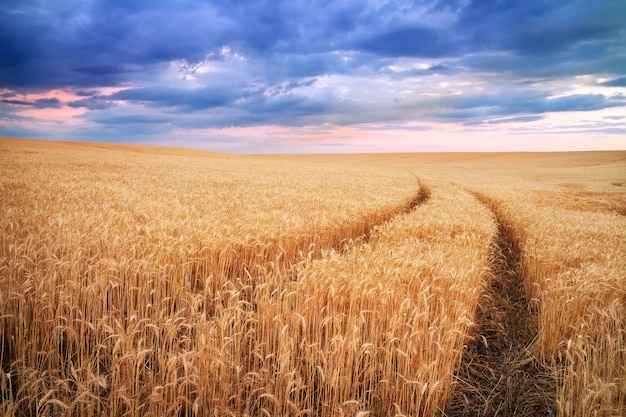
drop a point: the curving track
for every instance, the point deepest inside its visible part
(499, 376)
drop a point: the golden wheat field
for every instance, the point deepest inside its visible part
(153, 281)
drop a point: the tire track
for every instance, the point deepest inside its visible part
(350, 241)
(344, 237)
(499, 375)
(249, 365)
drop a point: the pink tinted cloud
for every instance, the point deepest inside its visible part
(65, 114)
(62, 114)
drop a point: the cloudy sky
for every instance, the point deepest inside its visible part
(251, 76)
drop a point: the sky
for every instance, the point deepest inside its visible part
(298, 76)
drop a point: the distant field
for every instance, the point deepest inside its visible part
(151, 281)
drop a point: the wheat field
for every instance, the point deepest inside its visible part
(153, 281)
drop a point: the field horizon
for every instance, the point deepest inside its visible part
(149, 280)
(184, 150)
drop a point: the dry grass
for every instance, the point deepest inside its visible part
(141, 281)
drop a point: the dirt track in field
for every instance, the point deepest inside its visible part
(498, 375)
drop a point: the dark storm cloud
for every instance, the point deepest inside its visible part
(93, 103)
(618, 82)
(286, 109)
(202, 98)
(209, 107)
(152, 97)
(259, 100)
(42, 103)
(86, 93)
(81, 43)
(18, 102)
(540, 26)
(417, 41)
(47, 103)
(515, 106)
(544, 36)
(272, 61)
